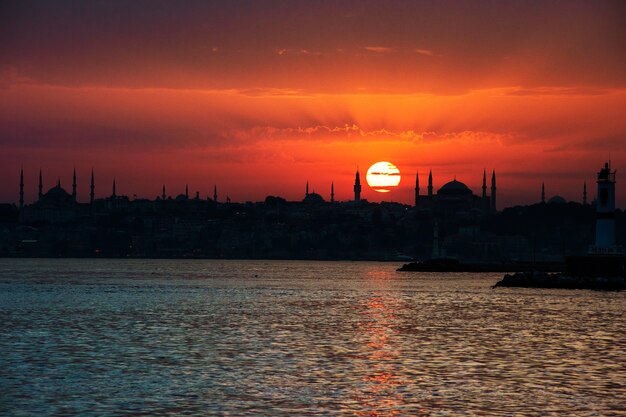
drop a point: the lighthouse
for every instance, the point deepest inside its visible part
(605, 214)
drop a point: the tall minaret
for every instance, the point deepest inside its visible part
(543, 192)
(605, 211)
(585, 193)
(357, 186)
(306, 193)
(484, 185)
(163, 196)
(113, 195)
(186, 191)
(21, 187)
(417, 187)
(40, 186)
(92, 192)
(74, 185)
(493, 191)
(430, 184)
(215, 193)
(332, 192)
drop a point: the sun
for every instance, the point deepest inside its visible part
(383, 176)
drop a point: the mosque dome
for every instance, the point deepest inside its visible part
(557, 199)
(57, 193)
(454, 188)
(56, 196)
(313, 198)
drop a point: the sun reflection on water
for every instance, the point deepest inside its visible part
(381, 392)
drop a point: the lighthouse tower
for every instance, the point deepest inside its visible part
(605, 214)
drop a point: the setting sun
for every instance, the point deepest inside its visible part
(383, 176)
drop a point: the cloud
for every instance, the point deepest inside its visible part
(558, 91)
(378, 49)
(165, 45)
(425, 52)
(354, 133)
(10, 76)
(301, 51)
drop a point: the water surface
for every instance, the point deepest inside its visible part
(250, 338)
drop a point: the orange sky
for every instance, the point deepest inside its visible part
(258, 100)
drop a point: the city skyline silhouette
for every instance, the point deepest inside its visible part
(344, 191)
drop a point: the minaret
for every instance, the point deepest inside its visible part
(543, 192)
(186, 191)
(307, 189)
(74, 186)
(357, 186)
(163, 193)
(493, 191)
(417, 187)
(605, 212)
(92, 193)
(59, 182)
(21, 187)
(585, 193)
(215, 193)
(430, 184)
(332, 192)
(484, 185)
(113, 195)
(40, 186)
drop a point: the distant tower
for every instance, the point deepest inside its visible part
(74, 185)
(40, 186)
(543, 192)
(187, 191)
(163, 193)
(92, 193)
(484, 185)
(357, 186)
(306, 193)
(417, 187)
(113, 195)
(21, 187)
(493, 191)
(332, 192)
(215, 193)
(605, 212)
(585, 193)
(59, 182)
(430, 184)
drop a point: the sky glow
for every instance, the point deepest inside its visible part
(258, 98)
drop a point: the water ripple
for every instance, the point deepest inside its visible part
(115, 338)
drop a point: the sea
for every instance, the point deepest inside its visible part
(111, 337)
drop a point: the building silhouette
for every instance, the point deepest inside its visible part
(456, 196)
(605, 214)
(451, 221)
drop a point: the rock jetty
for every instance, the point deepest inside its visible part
(454, 265)
(536, 279)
